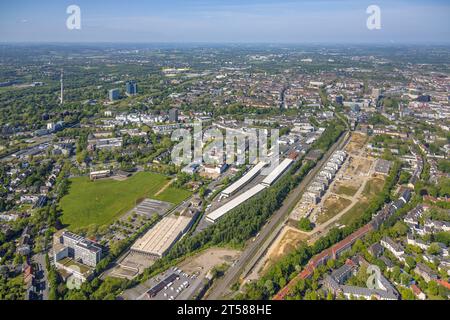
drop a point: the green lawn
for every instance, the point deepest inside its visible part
(354, 213)
(372, 189)
(101, 202)
(173, 195)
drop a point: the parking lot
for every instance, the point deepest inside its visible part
(171, 285)
(194, 270)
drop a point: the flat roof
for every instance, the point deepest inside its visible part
(244, 179)
(100, 172)
(161, 237)
(383, 166)
(215, 215)
(273, 176)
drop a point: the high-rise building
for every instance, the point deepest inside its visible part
(131, 88)
(61, 98)
(114, 94)
(173, 115)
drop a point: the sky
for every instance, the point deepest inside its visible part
(226, 21)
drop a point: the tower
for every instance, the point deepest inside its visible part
(61, 99)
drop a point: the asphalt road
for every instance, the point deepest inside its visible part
(270, 230)
(42, 275)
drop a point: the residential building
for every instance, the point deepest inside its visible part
(131, 88)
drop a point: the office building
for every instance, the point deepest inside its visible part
(113, 94)
(78, 248)
(131, 88)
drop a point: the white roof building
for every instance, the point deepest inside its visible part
(243, 180)
(217, 214)
(277, 172)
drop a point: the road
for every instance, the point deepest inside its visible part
(41, 275)
(258, 247)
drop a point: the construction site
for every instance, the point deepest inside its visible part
(339, 185)
(337, 195)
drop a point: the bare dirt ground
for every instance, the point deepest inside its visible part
(205, 261)
(348, 189)
(353, 177)
(165, 187)
(288, 240)
(332, 206)
(357, 143)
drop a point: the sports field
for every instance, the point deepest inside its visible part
(101, 202)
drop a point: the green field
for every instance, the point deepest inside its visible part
(373, 187)
(371, 190)
(101, 202)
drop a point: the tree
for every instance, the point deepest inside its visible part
(443, 292)
(410, 262)
(444, 166)
(404, 177)
(269, 287)
(396, 273)
(331, 264)
(329, 295)
(82, 156)
(407, 294)
(400, 229)
(433, 288)
(304, 224)
(201, 192)
(434, 249)
(405, 279)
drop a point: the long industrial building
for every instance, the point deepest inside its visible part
(277, 172)
(217, 214)
(235, 187)
(158, 240)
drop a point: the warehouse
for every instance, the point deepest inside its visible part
(235, 187)
(158, 240)
(277, 172)
(217, 214)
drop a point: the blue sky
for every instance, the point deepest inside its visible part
(282, 21)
